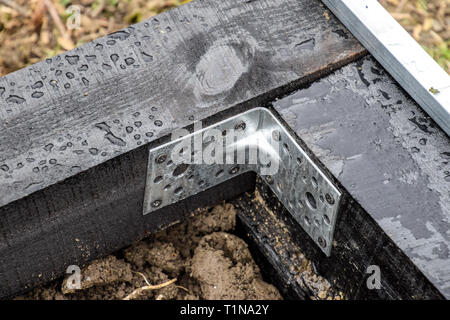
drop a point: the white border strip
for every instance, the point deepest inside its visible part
(399, 54)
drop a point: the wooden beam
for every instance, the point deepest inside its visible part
(393, 162)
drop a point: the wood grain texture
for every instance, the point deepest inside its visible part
(75, 129)
(390, 157)
(82, 108)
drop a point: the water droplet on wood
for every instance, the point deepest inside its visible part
(73, 59)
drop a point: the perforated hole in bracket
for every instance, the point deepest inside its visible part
(251, 141)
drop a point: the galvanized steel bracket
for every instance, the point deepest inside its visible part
(251, 141)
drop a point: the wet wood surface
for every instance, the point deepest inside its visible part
(393, 162)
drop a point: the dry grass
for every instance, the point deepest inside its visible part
(32, 30)
(428, 21)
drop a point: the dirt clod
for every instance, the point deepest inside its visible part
(223, 266)
(100, 273)
(162, 255)
(198, 259)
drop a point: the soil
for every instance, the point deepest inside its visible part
(197, 259)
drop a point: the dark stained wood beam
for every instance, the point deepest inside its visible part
(393, 162)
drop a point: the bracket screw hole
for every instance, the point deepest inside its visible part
(219, 173)
(158, 179)
(266, 165)
(307, 221)
(326, 219)
(161, 158)
(234, 170)
(178, 190)
(329, 198)
(180, 169)
(299, 161)
(311, 200)
(317, 222)
(314, 182)
(276, 135)
(208, 140)
(240, 126)
(300, 204)
(156, 203)
(322, 242)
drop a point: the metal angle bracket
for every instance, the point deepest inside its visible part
(257, 142)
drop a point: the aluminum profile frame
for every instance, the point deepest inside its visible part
(409, 64)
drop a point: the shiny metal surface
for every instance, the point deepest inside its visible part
(252, 141)
(406, 61)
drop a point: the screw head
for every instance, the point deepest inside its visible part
(161, 158)
(156, 203)
(234, 170)
(276, 135)
(240, 126)
(329, 198)
(322, 242)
